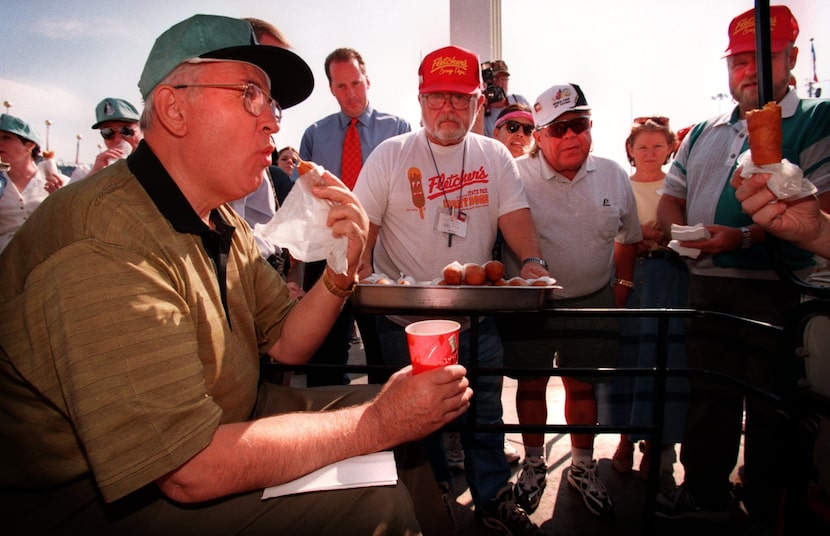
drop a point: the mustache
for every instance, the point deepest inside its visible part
(449, 117)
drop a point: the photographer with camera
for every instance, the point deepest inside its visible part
(496, 77)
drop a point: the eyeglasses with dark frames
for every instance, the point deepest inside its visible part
(108, 133)
(513, 127)
(560, 128)
(436, 101)
(254, 98)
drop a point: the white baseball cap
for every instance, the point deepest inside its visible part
(557, 100)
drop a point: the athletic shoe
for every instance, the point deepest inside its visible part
(531, 483)
(455, 453)
(583, 477)
(501, 513)
(510, 453)
(680, 504)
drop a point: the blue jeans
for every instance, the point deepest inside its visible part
(485, 467)
(629, 400)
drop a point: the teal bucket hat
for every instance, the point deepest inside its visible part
(15, 125)
(111, 109)
(225, 38)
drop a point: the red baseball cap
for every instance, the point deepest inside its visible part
(452, 69)
(783, 29)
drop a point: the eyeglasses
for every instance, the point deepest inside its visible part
(659, 119)
(560, 128)
(254, 98)
(513, 126)
(108, 133)
(436, 101)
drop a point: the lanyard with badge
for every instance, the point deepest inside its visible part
(450, 219)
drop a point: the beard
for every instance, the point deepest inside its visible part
(448, 130)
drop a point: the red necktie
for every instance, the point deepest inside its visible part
(352, 157)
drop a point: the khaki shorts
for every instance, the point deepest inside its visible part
(533, 340)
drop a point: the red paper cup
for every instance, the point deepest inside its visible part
(432, 344)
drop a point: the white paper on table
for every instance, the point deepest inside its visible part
(376, 469)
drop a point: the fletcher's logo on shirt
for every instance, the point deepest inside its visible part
(447, 184)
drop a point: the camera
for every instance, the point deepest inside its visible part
(492, 92)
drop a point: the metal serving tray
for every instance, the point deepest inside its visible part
(452, 297)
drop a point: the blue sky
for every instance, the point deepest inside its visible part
(631, 57)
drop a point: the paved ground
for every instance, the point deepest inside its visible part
(561, 511)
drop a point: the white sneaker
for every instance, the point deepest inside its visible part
(510, 453)
(531, 483)
(584, 478)
(455, 453)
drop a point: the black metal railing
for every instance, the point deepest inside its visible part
(787, 405)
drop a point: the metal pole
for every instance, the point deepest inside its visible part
(763, 56)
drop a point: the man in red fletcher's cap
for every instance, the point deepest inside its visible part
(733, 275)
(438, 195)
(740, 56)
(782, 26)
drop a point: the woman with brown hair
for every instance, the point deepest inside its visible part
(660, 280)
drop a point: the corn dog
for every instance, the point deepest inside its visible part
(764, 129)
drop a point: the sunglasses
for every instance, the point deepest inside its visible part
(659, 119)
(108, 133)
(560, 128)
(513, 127)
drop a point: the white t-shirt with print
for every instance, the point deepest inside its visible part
(407, 183)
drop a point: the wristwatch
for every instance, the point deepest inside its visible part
(746, 238)
(537, 260)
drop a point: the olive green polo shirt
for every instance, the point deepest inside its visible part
(123, 347)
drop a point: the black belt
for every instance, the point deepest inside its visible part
(661, 253)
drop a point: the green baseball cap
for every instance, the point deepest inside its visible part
(111, 109)
(226, 38)
(15, 125)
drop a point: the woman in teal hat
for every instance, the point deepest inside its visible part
(25, 184)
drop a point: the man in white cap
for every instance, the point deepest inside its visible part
(129, 369)
(586, 214)
(117, 122)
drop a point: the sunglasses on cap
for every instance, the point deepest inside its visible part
(560, 128)
(108, 133)
(659, 119)
(513, 127)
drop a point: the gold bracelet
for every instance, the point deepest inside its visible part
(334, 289)
(624, 282)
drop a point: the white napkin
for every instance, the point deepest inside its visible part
(300, 226)
(787, 180)
(687, 233)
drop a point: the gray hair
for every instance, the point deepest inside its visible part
(184, 73)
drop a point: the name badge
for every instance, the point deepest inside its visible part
(452, 221)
